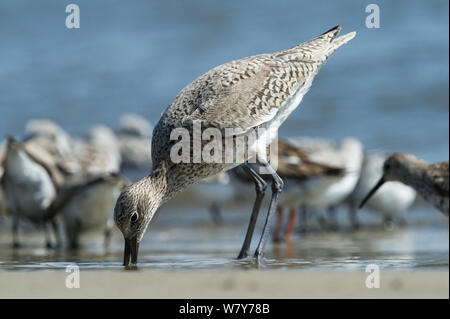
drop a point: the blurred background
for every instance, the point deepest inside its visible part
(388, 87)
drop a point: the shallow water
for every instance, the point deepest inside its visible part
(190, 241)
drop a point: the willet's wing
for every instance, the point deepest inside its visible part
(246, 93)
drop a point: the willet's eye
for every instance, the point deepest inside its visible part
(134, 216)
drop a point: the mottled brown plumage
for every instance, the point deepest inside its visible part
(243, 95)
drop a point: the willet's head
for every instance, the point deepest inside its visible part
(134, 211)
(397, 167)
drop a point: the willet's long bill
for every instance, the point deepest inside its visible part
(243, 95)
(429, 180)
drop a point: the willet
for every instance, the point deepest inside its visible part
(429, 180)
(257, 92)
(87, 206)
(29, 185)
(391, 200)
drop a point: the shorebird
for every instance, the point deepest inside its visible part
(302, 177)
(134, 134)
(95, 155)
(246, 95)
(429, 180)
(390, 200)
(50, 136)
(87, 206)
(332, 190)
(103, 139)
(134, 125)
(30, 186)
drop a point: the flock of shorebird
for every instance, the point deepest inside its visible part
(50, 176)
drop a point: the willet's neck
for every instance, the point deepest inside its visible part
(158, 187)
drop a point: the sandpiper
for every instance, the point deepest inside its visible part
(390, 200)
(87, 206)
(103, 139)
(96, 155)
(30, 188)
(325, 191)
(134, 134)
(302, 177)
(243, 95)
(50, 136)
(429, 180)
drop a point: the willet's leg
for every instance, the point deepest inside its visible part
(260, 186)
(15, 231)
(277, 187)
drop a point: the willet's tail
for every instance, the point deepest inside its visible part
(323, 46)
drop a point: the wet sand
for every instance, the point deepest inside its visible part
(238, 284)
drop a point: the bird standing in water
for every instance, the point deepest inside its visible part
(253, 93)
(429, 180)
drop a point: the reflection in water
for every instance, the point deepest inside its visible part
(198, 244)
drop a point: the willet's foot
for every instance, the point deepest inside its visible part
(429, 180)
(243, 95)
